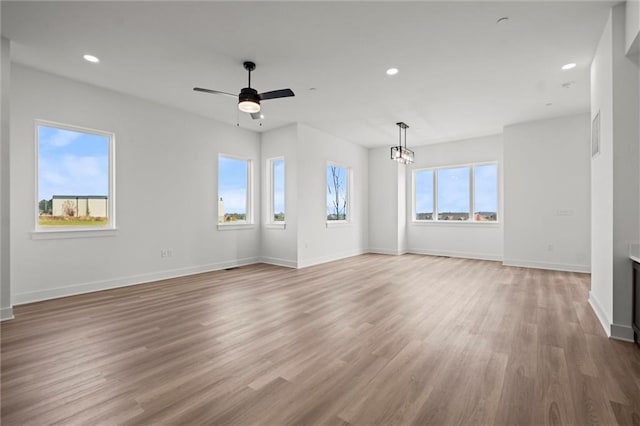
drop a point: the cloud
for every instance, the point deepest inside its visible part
(58, 137)
(73, 175)
(235, 200)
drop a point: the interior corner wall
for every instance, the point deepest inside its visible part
(6, 310)
(601, 293)
(318, 243)
(615, 177)
(280, 245)
(468, 240)
(546, 193)
(166, 191)
(387, 223)
(626, 173)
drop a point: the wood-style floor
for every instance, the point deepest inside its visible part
(367, 340)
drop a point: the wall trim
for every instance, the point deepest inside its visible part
(600, 313)
(622, 332)
(460, 254)
(566, 267)
(387, 251)
(6, 313)
(325, 259)
(90, 287)
(287, 263)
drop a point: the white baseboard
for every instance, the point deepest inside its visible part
(387, 251)
(566, 267)
(324, 259)
(622, 332)
(89, 287)
(6, 313)
(279, 262)
(600, 313)
(460, 254)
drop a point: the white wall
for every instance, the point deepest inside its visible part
(471, 240)
(318, 243)
(387, 198)
(626, 174)
(632, 26)
(615, 94)
(6, 311)
(601, 294)
(166, 180)
(546, 193)
(280, 245)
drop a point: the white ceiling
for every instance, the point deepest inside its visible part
(461, 74)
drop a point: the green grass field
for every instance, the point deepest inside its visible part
(71, 221)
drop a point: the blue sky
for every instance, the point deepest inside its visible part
(71, 163)
(232, 184)
(453, 189)
(278, 186)
(486, 194)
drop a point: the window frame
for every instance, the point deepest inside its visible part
(472, 220)
(348, 188)
(249, 216)
(76, 231)
(270, 222)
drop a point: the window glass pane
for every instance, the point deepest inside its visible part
(336, 193)
(278, 191)
(485, 179)
(424, 195)
(232, 189)
(453, 194)
(73, 178)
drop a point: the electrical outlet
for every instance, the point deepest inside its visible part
(163, 253)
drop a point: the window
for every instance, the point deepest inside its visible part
(451, 191)
(276, 190)
(423, 182)
(234, 190)
(485, 197)
(75, 178)
(337, 193)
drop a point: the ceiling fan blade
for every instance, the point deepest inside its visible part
(215, 92)
(274, 94)
(256, 115)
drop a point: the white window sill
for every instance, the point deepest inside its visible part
(235, 226)
(455, 223)
(338, 224)
(276, 225)
(53, 234)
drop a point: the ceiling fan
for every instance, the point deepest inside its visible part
(249, 98)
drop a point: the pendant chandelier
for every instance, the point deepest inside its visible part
(400, 153)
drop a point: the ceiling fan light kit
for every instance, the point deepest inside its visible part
(249, 98)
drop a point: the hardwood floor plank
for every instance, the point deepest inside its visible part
(353, 342)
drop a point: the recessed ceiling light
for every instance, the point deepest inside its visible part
(91, 58)
(568, 66)
(392, 71)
